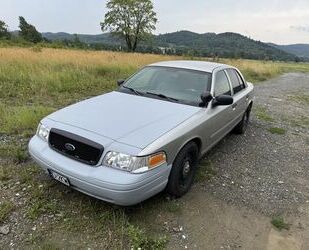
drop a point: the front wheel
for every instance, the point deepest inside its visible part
(183, 170)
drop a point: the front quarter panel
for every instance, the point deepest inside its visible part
(174, 140)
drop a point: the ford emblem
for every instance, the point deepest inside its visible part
(69, 146)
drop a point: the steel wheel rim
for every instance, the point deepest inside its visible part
(186, 173)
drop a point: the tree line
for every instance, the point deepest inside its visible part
(26, 31)
(132, 22)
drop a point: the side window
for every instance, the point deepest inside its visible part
(222, 86)
(237, 84)
(241, 79)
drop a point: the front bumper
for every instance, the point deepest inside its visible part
(108, 184)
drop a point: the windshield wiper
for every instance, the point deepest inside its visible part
(133, 90)
(163, 96)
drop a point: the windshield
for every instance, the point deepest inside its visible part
(173, 84)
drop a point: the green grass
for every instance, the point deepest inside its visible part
(37, 81)
(4, 173)
(172, 206)
(205, 171)
(276, 130)
(138, 240)
(298, 121)
(6, 208)
(278, 222)
(21, 120)
(40, 202)
(300, 98)
(262, 114)
(81, 214)
(14, 153)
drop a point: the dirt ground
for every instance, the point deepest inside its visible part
(242, 184)
(258, 176)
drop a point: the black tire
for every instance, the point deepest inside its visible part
(183, 170)
(241, 127)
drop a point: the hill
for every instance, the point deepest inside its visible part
(105, 38)
(229, 45)
(224, 45)
(300, 50)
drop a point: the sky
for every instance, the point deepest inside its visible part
(278, 21)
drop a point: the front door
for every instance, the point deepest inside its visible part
(221, 117)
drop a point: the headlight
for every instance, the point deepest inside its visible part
(43, 132)
(134, 164)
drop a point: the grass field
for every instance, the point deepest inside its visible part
(35, 82)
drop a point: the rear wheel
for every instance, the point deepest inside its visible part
(241, 127)
(183, 170)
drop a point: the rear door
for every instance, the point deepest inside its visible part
(238, 86)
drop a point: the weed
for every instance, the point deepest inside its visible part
(138, 239)
(39, 206)
(94, 214)
(20, 119)
(27, 174)
(262, 114)
(4, 173)
(21, 155)
(299, 121)
(14, 153)
(5, 209)
(278, 222)
(36, 49)
(301, 98)
(49, 246)
(172, 206)
(206, 171)
(42, 199)
(278, 131)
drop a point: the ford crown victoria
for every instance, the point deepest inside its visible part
(148, 135)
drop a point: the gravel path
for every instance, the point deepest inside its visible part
(264, 171)
(257, 176)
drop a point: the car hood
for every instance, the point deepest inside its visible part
(129, 119)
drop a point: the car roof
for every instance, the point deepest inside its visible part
(193, 65)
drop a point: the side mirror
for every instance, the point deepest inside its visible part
(206, 97)
(223, 100)
(120, 82)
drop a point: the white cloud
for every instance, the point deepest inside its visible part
(300, 28)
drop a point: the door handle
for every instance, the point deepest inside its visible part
(234, 106)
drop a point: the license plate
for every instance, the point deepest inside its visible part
(59, 177)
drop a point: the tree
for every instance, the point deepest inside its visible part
(29, 32)
(132, 20)
(4, 32)
(76, 41)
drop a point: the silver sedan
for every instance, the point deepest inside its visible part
(147, 136)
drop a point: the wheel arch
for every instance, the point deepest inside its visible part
(197, 140)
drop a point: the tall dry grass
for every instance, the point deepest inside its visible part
(46, 78)
(80, 57)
